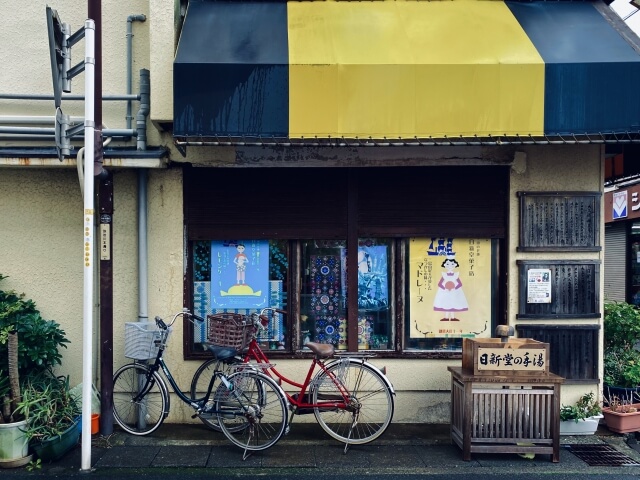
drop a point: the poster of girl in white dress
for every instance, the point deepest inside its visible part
(450, 287)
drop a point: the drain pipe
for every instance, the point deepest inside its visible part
(143, 286)
(143, 315)
(145, 108)
(130, 20)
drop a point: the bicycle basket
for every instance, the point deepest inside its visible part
(139, 338)
(230, 330)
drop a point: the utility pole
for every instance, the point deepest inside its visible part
(60, 43)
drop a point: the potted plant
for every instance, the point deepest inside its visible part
(53, 415)
(621, 356)
(29, 345)
(622, 415)
(582, 418)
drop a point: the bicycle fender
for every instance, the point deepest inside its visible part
(281, 392)
(373, 367)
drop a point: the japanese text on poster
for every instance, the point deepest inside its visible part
(450, 287)
(239, 274)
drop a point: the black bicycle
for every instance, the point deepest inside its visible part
(250, 407)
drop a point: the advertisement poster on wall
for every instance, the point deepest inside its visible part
(450, 287)
(239, 274)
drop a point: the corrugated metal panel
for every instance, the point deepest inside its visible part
(615, 262)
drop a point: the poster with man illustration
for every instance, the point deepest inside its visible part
(450, 287)
(239, 274)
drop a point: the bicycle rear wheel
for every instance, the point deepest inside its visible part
(200, 384)
(371, 402)
(139, 416)
(253, 414)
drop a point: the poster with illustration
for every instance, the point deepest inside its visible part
(373, 284)
(450, 287)
(239, 274)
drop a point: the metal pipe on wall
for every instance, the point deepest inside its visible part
(143, 285)
(130, 20)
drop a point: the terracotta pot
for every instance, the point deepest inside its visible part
(622, 422)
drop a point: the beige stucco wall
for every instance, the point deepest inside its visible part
(41, 251)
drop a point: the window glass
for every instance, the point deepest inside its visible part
(324, 316)
(241, 276)
(375, 328)
(450, 292)
(323, 302)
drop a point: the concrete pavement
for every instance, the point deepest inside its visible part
(422, 449)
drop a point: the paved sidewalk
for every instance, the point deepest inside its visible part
(307, 451)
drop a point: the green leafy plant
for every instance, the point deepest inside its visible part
(621, 335)
(586, 406)
(29, 345)
(49, 406)
(34, 465)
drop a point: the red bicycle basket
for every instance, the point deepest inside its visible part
(230, 330)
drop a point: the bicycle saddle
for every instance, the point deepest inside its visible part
(322, 350)
(221, 353)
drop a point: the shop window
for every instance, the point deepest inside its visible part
(450, 292)
(324, 312)
(311, 217)
(241, 276)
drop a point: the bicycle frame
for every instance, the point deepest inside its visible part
(254, 352)
(160, 364)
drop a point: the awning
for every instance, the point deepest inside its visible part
(404, 71)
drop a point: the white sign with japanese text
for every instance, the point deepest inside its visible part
(539, 285)
(507, 359)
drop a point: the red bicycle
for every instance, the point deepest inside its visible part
(352, 400)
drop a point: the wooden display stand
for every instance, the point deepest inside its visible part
(498, 408)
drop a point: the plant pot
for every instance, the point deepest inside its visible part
(622, 422)
(14, 445)
(585, 426)
(55, 448)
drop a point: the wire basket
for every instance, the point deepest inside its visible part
(140, 338)
(230, 330)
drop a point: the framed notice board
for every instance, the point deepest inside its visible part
(558, 289)
(559, 221)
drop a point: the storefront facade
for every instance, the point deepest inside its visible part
(387, 212)
(622, 237)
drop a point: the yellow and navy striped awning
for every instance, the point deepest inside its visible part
(403, 70)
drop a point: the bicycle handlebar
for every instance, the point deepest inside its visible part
(185, 312)
(262, 320)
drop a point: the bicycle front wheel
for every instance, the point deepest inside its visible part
(253, 411)
(370, 401)
(139, 406)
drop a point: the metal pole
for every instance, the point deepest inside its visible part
(88, 245)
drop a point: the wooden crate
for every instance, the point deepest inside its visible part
(517, 357)
(501, 414)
